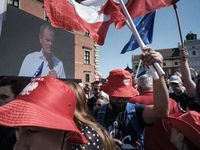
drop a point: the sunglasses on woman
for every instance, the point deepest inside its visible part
(98, 105)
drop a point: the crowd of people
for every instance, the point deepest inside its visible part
(126, 113)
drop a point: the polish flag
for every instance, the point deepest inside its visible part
(68, 14)
(178, 74)
(191, 69)
(193, 75)
(95, 16)
(100, 75)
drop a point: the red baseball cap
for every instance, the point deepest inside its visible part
(45, 102)
(188, 124)
(119, 84)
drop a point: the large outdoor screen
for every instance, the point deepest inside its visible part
(23, 48)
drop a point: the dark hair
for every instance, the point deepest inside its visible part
(15, 85)
(86, 84)
(97, 82)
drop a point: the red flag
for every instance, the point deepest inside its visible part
(68, 14)
(95, 16)
(138, 8)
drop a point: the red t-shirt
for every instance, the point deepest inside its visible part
(156, 137)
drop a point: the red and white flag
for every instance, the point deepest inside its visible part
(95, 16)
(68, 14)
(178, 74)
(193, 75)
(100, 76)
(191, 69)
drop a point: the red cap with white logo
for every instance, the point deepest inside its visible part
(119, 84)
(45, 102)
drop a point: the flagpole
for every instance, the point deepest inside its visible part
(179, 26)
(138, 68)
(142, 45)
(140, 42)
(156, 75)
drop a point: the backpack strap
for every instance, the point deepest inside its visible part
(101, 114)
(130, 108)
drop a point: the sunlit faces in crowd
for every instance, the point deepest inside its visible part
(176, 86)
(101, 101)
(87, 88)
(97, 90)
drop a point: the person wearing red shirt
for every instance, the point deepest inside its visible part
(156, 137)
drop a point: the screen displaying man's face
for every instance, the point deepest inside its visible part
(27, 37)
(47, 41)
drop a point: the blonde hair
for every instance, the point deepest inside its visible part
(82, 117)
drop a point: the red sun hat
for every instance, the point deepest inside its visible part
(188, 124)
(45, 102)
(119, 84)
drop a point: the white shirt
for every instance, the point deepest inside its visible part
(33, 61)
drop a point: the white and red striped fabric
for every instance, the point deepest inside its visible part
(191, 69)
(95, 16)
(178, 74)
(100, 76)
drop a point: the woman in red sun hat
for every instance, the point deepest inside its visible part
(42, 115)
(185, 130)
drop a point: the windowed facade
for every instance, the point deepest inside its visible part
(141, 66)
(87, 57)
(164, 64)
(87, 77)
(175, 63)
(193, 52)
(14, 3)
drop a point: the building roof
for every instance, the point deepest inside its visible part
(191, 33)
(129, 69)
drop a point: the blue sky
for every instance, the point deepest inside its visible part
(165, 35)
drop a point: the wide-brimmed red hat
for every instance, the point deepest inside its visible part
(45, 102)
(119, 84)
(188, 124)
